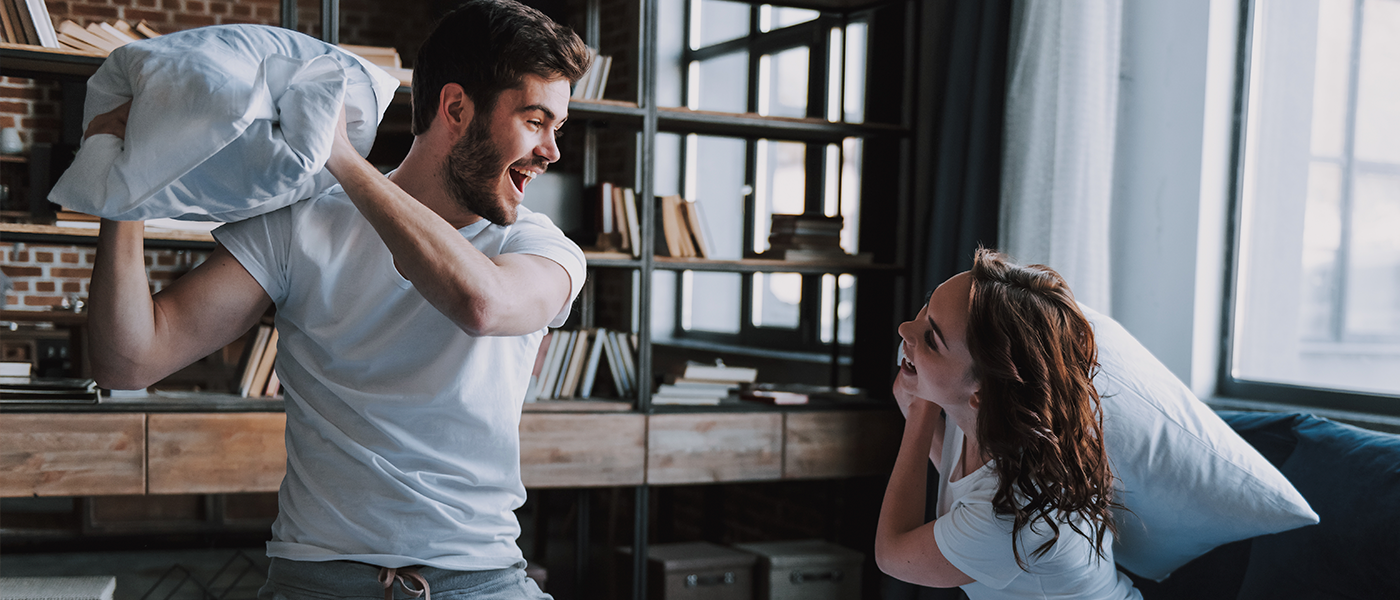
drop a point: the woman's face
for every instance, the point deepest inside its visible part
(937, 365)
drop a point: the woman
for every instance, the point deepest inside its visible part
(996, 384)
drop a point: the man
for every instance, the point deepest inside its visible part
(409, 309)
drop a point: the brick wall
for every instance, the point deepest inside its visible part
(45, 275)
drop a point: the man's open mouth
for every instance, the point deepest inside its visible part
(521, 177)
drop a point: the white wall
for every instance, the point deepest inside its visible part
(1171, 179)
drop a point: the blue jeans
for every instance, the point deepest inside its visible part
(303, 580)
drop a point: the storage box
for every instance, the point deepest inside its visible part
(695, 571)
(806, 570)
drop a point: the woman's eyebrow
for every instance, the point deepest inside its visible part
(938, 331)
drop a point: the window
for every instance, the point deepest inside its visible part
(1316, 300)
(736, 57)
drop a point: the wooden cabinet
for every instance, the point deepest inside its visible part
(72, 454)
(714, 448)
(194, 453)
(840, 444)
(559, 450)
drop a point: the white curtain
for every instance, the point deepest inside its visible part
(1057, 167)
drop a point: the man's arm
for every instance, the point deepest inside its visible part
(136, 339)
(511, 294)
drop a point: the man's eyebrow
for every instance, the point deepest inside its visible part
(937, 331)
(549, 114)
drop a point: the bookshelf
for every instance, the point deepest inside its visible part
(616, 139)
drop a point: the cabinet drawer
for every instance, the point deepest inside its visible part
(216, 453)
(72, 454)
(708, 448)
(582, 450)
(841, 444)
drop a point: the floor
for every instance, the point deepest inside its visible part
(204, 574)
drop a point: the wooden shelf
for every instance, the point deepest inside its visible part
(749, 125)
(14, 158)
(30, 233)
(24, 60)
(763, 265)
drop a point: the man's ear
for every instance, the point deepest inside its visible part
(455, 109)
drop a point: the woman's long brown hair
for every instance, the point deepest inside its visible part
(1034, 357)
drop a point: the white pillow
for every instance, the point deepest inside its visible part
(226, 122)
(1190, 482)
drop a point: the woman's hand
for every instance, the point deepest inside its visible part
(112, 122)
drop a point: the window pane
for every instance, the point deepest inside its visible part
(714, 301)
(1317, 299)
(715, 21)
(1373, 271)
(782, 80)
(1322, 237)
(1333, 73)
(845, 312)
(782, 185)
(776, 298)
(1378, 90)
(854, 100)
(850, 194)
(717, 181)
(670, 42)
(721, 84)
(776, 17)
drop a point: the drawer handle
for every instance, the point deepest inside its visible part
(798, 577)
(699, 580)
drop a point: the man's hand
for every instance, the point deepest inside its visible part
(113, 122)
(341, 148)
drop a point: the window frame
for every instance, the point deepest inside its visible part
(1228, 385)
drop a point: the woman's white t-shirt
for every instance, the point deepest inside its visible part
(978, 542)
(403, 443)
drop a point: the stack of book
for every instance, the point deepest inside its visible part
(616, 219)
(808, 238)
(384, 57)
(569, 364)
(701, 384)
(102, 38)
(259, 379)
(680, 228)
(798, 393)
(27, 22)
(595, 81)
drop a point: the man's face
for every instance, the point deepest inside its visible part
(490, 165)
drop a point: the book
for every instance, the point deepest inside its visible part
(603, 203)
(813, 255)
(699, 394)
(76, 32)
(274, 386)
(97, 30)
(27, 31)
(38, 12)
(115, 34)
(669, 241)
(614, 359)
(537, 373)
(626, 360)
(253, 353)
(9, 23)
(698, 384)
(716, 372)
(581, 87)
(574, 370)
(634, 226)
(599, 83)
(695, 226)
(15, 369)
(145, 29)
(773, 397)
(264, 371)
(562, 339)
(684, 400)
(590, 368)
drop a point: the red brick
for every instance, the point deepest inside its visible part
(72, 287)
(68, 257)
(90, 257)
(148, 3)
(151, 16)
(98, 12)
(43, 300)
(43, 257)
(16, 271)
(75, 273)
(19, 108)
(44, 286)
(21, 256)
(149, 261)
(40, 123)
(165, 260)
(195, 6)
(219, 7)
(45, 109)
(22, 93)
(242, 10)
(7, 121)
(11, 300)
(191, 21)
(21, 286)
(163, 276)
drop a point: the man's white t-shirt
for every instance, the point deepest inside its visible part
(403, 443)
(977, 541)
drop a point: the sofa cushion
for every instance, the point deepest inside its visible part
(1188, 482)
(1351, 477)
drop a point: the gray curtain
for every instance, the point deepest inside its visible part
(957, 170)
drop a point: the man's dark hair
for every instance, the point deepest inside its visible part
(487, 47)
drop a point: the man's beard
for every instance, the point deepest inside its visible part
(472, 172)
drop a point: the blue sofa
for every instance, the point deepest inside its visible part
(1351, 478)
